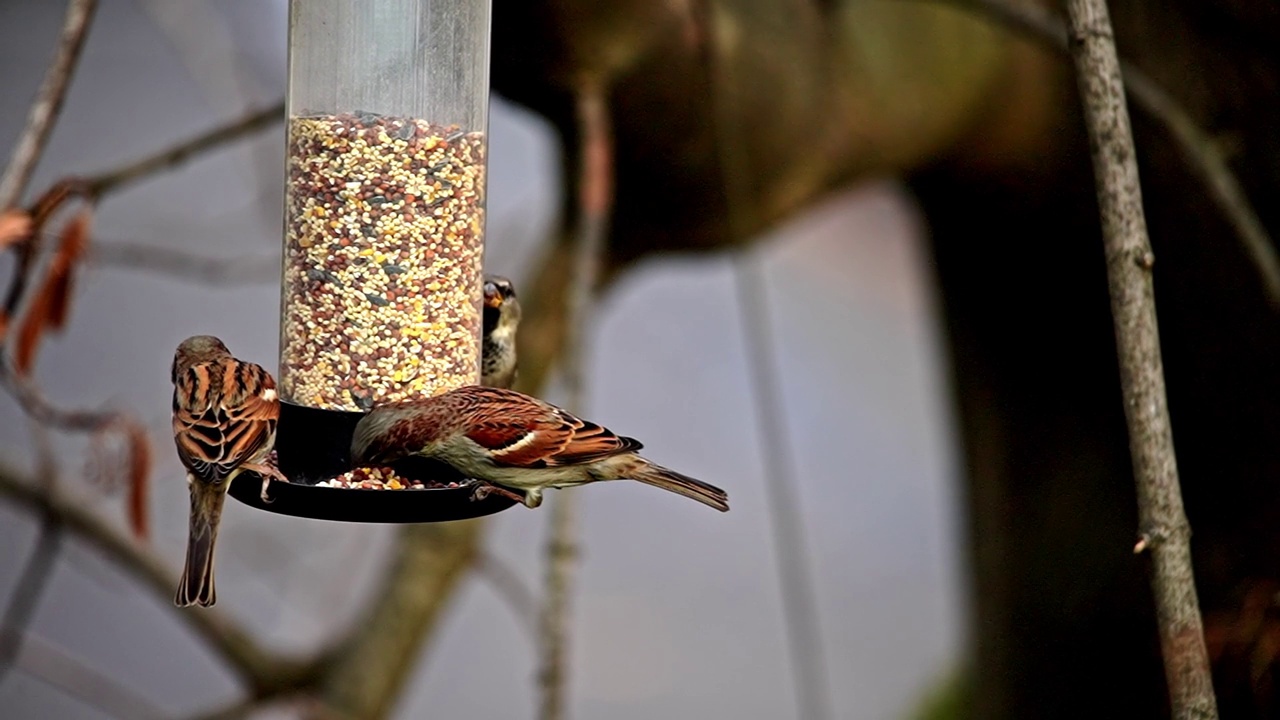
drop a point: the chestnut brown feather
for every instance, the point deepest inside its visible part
(514, 441)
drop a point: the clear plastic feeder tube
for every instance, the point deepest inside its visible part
(384, 202)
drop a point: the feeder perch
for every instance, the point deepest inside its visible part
(383, 242)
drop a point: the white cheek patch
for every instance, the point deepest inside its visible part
(516, 446)
(269, 394)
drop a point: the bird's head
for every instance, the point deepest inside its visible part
(391, 432)
(501, 308)
(195, 350)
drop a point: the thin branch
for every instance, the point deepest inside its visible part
(97, 186)
(510, 588)
(57, 668)
(794, 563)
(113, 180)
(302, 705)
(40, 564)
(795, 578)
(595, 202)
(1202, 154)
(222, 272)
(28, 591)
(1162, 518)
(266, 674)
(48, 102)
(237, 710)
(38, 408)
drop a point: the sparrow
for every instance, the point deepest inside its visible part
(512, 445)
(224, 423)
(501, 318)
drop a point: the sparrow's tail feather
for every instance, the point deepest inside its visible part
(196, 585)
(660, 477)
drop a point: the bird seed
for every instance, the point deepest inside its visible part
(383, 250)
(375, 478)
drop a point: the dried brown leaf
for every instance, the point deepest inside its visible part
(15, 226)
(119, 457)
(50, 307)
(139, 485)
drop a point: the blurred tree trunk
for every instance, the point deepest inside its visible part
(990, 137)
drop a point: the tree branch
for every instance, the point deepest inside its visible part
(44, 111)
(28, 591)
(113, 180)
(1199, 150)
(1162, 518)
(58, 669)
(264, 673)
(369, 668)
(221, 272)
(794, 564)
(796, 586)
(510, 589)
(38, 408)
(595, 202)
(40, 564)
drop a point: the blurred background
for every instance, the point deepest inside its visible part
(911, 177)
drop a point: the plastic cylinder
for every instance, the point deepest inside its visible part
(384, 200)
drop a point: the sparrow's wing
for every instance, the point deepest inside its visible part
(520, 431)
(224, 415)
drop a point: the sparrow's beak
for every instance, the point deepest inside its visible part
(492, 298)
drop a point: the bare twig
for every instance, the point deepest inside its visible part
(40, 564)
(48, 102)
(28, 591)
(1129, 261)
(295, 705)
(266, 674)
(595, 201)
(510, 588)
(172, 157)
(237, 710)
(58, 669)
(143, 257)
(38, 408)
(795, 581)
(1201, 152)
(795, 572)
(553, 621)
(97, 186)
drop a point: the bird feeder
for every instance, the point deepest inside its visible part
(383, 227)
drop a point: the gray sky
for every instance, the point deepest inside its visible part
(678, 607)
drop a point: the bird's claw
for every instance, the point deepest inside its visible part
(267, 473)
(481, 489)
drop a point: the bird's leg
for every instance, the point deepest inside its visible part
(267, 473)
(481, 489)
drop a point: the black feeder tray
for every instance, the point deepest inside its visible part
(314, 445)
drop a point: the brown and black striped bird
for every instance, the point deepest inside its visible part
(514, 445)
(224, 423)
(501, 319)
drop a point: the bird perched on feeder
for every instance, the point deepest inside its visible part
(224, 423)
(513, 445)
(501, 318)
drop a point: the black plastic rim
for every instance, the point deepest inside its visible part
(313, 445)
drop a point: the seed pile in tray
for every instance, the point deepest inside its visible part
(382, 261)
(380, 479)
